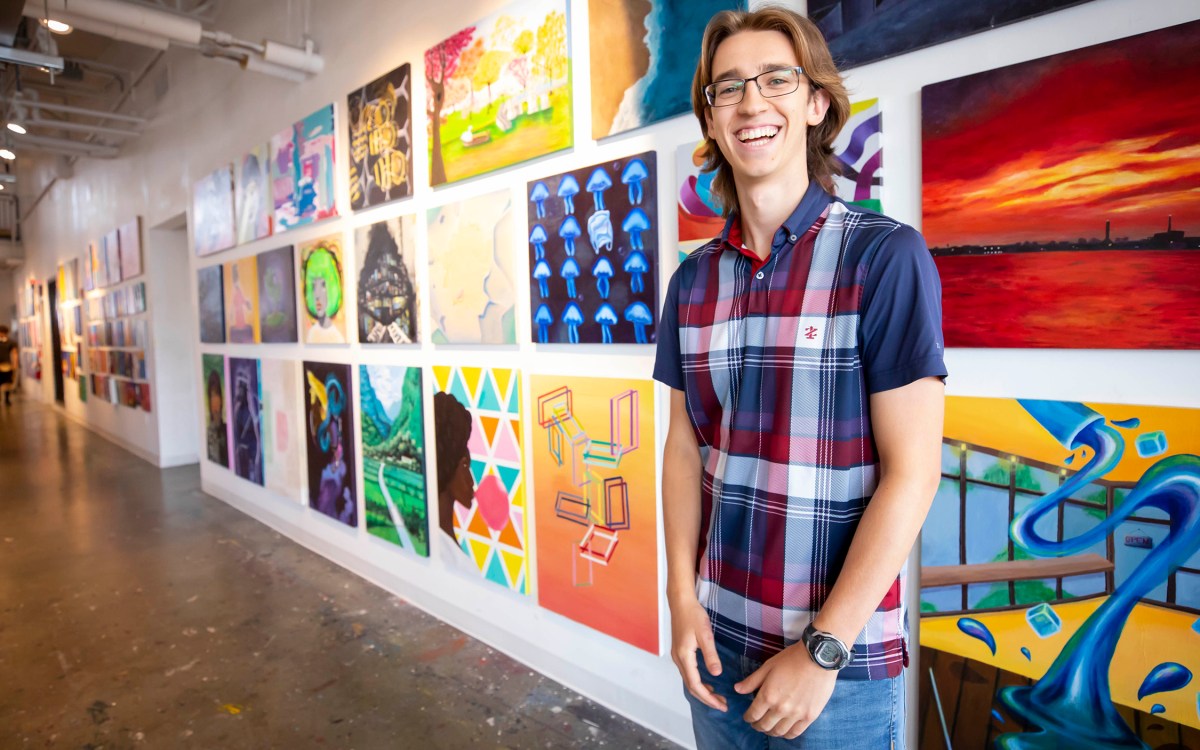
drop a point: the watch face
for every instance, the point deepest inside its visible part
(827, 653)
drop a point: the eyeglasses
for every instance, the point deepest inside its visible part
(729, 91)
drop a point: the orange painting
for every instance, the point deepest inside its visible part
(594, 489)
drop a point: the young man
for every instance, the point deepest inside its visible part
(9, 365)
(804, 348)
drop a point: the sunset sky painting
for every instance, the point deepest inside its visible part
(1038, 156)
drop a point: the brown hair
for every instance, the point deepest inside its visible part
(815, 59)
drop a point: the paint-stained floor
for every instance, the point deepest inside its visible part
(138, 612)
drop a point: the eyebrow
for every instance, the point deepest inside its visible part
(765, 67)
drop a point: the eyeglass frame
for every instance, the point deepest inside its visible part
(709, 91)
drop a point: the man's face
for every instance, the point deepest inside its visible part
(762, 137)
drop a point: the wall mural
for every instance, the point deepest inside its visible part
(1061, 197)
(859, 33)
(593, 253)
(277, 296)
(381, 139)
(597, 524)
(471, 295)
(323, 290)
(212, 371)
(245, 424)
(303, 164)
(328, 425)
(499, 91)
(637, 78)
(252, 196)
(393, 461)
(480, 475)
(282, 428)
(212, 213)
(1061, 577)
(241, 301)
(387, 290)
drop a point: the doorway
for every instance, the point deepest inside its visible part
(55, 340)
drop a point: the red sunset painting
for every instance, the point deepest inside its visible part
(1061, 197)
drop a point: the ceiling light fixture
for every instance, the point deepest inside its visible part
(7, 153)
(16, 128)
(58, 27)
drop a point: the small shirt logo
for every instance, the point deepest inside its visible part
(810, 332)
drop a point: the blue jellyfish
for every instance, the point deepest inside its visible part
(603, 271)
(639, 314)
(544, 319)
(541, 272)
(570, 272)
(567, 190)
(635, 172)
(569, 230)
(573, 317)
(636, 265)
(606, 316)
(597, 184)
(538, 195)
(538, 238)
(600, 231)
(636, 223)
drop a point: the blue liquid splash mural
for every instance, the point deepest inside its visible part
(977, 629)
(1071, 705)
(1164, 678)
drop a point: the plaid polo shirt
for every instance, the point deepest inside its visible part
(777, 363)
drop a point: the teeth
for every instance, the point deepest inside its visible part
(763, 132)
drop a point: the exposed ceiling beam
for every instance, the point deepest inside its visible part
(79, 127)
(66, 146)
(68, 109)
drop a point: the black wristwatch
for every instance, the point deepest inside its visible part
(826, 649)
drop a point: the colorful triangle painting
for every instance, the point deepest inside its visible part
(487, 395)
(495, 572)
(508, 477)
(471, 377)
(441, 376)
(489, 425)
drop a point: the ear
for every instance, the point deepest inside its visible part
(818, 105)
(708, 120)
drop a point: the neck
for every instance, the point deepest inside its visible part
(763, 207)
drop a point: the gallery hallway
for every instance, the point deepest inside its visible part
(136, 611)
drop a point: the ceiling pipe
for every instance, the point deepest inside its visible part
(63, 145)
(255, 65)
(70, 110)
(110, 30)
(138, 18)
(78, 127)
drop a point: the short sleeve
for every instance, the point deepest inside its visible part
(668, 363)
(901, 314)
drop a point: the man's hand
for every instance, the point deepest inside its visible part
(792, 692)
(691, 630)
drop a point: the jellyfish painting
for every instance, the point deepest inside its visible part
(640, 315)
(606, 316)
(633, 175)
(538, 195)
(573, 317)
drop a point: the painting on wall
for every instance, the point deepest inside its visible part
(277, 296)
(112, 257)
(245, 423)
(1061, 577)
(860, 33)
(252, 196)
(697, 209)
(303, 164)
(471, 296)
(129, 238)
(322, 290)
(859, 152)
(241, 301)
(89, 278)
(329, 424)
(597, 521)
(215, 427)
(212, 304)
(499, 91)
(594, 260)
(1061, 198)
(393, 462)
(480, 474)
(212, 212)
(96, 262)
(644, 58)
(381, 139)
(387, 289)
(282, 430)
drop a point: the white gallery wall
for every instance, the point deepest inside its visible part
(213, 113)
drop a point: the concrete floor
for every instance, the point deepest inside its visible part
(136, 611)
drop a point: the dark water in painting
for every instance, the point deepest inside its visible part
(1095, 299)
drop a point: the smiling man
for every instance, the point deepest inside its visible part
(804, 350)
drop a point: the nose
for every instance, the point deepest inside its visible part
(752, 98)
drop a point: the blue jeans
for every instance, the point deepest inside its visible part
(861, 714)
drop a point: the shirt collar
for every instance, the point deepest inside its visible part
(811, 206)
